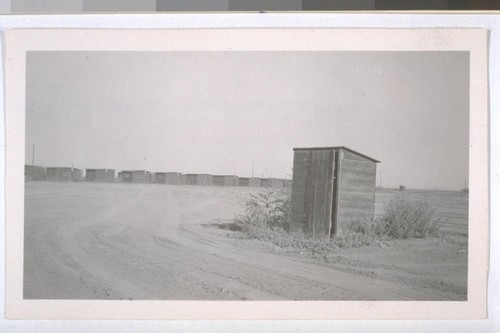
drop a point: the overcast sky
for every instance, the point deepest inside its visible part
(216, 112)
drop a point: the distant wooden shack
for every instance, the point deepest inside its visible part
(331, 187)
(171, 178)
(199, 179)
(243, 181)
(278, 183)
(249, 182)
(272, 182)
(225, 180)
(34, 173)
(254, 182)
(100, 175)
(266, 182)
(64, 174)
(135, 176)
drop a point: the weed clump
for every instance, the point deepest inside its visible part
(357, 233)
(267, 210)
(405, 218)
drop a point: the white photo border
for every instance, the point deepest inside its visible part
(18, 42)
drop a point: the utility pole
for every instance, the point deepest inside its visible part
(253, 162)
(33, 156)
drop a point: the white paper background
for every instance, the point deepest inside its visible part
(490, 22)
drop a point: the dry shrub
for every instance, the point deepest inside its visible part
(404, 217)
(269, 209)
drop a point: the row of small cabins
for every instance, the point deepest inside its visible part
(37, 173)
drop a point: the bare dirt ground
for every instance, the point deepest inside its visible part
(133, 241)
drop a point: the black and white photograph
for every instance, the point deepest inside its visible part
(247, 175)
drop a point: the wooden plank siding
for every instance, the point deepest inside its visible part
(356, 190)
(298, 217)
(319, 193)
(312, 193)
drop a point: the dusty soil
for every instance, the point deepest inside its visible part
(132, 241)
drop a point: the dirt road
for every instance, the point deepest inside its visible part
(133, 241)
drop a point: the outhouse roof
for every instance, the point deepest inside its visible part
(337, 148)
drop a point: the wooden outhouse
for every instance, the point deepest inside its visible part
(331, 186)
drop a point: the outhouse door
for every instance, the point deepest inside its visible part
(319, 193)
